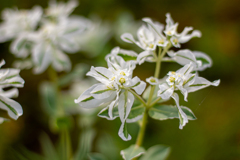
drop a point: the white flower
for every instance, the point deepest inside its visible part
(113, 89)
(52, 39)
(186, 82)
(10, 78)
(152, 80)
(176, 38)
(16, 22)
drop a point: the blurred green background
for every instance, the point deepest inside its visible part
(215, 135)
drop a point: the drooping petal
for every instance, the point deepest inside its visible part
(182, 116)
(13, 108)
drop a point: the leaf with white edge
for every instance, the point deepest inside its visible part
(164, 112)
(13, 108)
(204, 58)
(132, 152)
(127, 57)
(123, 132)
(154, 97)
(135, 114)
(104, 113)
(157, 152)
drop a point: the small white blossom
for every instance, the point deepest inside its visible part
(16, 22)
(10, 78)
(178, 38)
(152, 80)
(186, 82)
(114, 83)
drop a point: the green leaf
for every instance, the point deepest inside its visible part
(204, 61)
(157, 152)
(132, 152)
(96, 156)
(104, 113)
(135, 113)
(163, 112)
(127, 57)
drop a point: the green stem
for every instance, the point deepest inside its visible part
(142, 128)
(64, 133)
(138, 97)
(154, 102)
(149, 104)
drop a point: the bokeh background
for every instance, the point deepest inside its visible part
(215, 135)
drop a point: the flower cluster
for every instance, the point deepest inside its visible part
(116, 85)
(41, 38)
(10, 78)
(119, 89)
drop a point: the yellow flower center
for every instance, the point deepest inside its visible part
(112, 78)
(151, 45)
(161, 41)
(122, 80)
(169, 33)
(172, 79)
(152, 80)
(175, 41)
(123, 73)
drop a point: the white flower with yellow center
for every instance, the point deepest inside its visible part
(115, 82)
(186, 82)
(178, 38)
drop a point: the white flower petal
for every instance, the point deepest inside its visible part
(143, 55)
(101, 91)
(165, 91)
(182, 116)
(201, 83)
(11, 93)
(13, 108)
(204, 58)
(125, 103)
(127, 37)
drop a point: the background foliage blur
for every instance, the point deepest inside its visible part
(216, 132)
